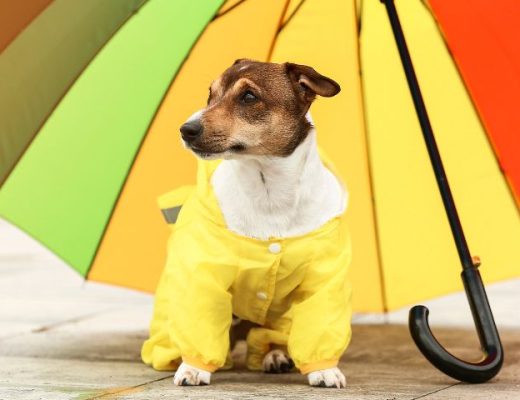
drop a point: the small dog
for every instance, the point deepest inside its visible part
(271, 190)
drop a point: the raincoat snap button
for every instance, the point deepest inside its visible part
(261, 295)
(275, 248)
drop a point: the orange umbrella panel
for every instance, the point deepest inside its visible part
(85, 153)
(485, 42)
(65, 185)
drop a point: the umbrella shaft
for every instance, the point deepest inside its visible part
(433, 151)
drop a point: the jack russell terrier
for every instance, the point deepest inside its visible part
(260, 244)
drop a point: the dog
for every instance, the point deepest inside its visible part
(267, 188)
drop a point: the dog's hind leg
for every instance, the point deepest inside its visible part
(277, 361)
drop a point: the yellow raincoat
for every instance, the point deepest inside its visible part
(296, 288)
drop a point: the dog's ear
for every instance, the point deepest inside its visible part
(241, 60)
(312, 82)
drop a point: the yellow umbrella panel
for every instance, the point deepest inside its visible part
(121, 158)
(86, 183)
(370, 131)
(133, 250)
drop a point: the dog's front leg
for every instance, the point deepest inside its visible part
(199, 319)
(188, 375)
(331, 377)
(320, 329)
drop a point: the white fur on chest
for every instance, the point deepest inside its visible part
(264, 197)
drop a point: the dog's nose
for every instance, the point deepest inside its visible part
(191, 130)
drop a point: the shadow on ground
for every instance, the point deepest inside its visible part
(382, 363)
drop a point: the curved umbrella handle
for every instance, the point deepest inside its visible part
(491, 363)
(472, 372)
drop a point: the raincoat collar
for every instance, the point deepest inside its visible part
(209, 206)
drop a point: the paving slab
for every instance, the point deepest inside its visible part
(46, 378)
(453, 310)
(382, 363)
(114, 335)
(64, 338)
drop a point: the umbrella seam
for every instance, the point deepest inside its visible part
(22, 30)
(291, 16)
(278, 29)
(359, 13)
(221, 14)
(384, 295)
(66, 90)
(495, 152)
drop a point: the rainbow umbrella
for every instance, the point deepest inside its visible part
(92, 95)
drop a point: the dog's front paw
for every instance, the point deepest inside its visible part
(277, 361)
(187, 375)
(331, 377)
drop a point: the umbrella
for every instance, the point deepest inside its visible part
(92, 95)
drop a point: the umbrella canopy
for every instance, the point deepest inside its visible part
(92, 95)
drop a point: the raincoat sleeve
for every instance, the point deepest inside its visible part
(321, 314)
(199, 279)
(200, 307)
(193, 308)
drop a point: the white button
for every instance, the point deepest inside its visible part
(275, 248)
(261, 295)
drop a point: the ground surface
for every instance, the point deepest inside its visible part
(61, 338)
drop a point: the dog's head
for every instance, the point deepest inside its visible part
(256, 108)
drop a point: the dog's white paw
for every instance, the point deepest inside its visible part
(277, 361)
(187, 375)
(331, 377)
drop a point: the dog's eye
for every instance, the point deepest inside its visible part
(248, 97)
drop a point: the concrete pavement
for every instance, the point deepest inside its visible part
(63, 338)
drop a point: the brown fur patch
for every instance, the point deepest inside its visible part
(258, 108)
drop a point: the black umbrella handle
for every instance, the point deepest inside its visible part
(475, 292)
(476, 372)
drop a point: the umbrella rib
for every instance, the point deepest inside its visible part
(384, 295)
(221, 14)
(291, 16)
(359, 14)
(143, 139)
(275, 36)
(65, 91)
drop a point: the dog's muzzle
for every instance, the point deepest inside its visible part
(191, 130)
